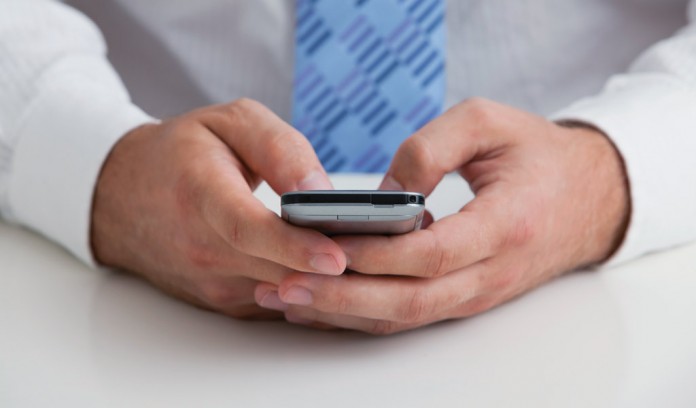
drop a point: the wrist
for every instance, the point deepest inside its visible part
(113, 186)
(608, 193)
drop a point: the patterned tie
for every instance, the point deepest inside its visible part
(368, 73)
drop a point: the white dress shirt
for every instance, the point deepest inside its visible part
(625, 66)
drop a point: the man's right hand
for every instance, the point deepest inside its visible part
(174, 204)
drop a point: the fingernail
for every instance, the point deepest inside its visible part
(272, 301)
(325, 263)
(297, 295)
(293, 318)
(316, 180)
(390, 184)
(347, 249)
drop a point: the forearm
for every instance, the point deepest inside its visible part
(61, 110)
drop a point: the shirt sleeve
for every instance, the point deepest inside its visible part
(649, 113)
(62, 108)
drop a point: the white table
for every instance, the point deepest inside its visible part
(74, 337)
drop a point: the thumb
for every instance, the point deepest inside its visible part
(471, 129)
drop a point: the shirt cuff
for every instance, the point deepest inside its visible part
(62, 144)
(650, 119)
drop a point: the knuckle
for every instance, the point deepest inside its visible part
(242, 224)
(505, 279)
(478, 305)
(343, 304)
(418, 153)
(239, 113)
(417, 307)
(519, 234)
(438, 260)
(235, 228)
(286, 143)
(340, 303)
(480, 111)
(239, 228)
(182, 127)
(245, 106)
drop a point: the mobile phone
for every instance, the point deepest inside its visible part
(335, 212)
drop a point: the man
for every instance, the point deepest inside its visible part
(609, 179)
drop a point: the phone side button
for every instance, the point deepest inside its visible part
(353, 218)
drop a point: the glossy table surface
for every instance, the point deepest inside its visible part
(75, 337)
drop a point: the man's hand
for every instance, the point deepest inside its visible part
(174, 204)
(549, 199)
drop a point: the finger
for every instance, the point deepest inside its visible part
(428, 219)
(236, 299)
(266, 296)
(233, 298)
(471, 129)
(269, 146)
(229, 207)
(264, 271)
(397, 299)
(214, 256)
(240, 265)
(307, 316)
(454, 242)
(313, 318)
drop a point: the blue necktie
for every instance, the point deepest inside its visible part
(368, 73)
